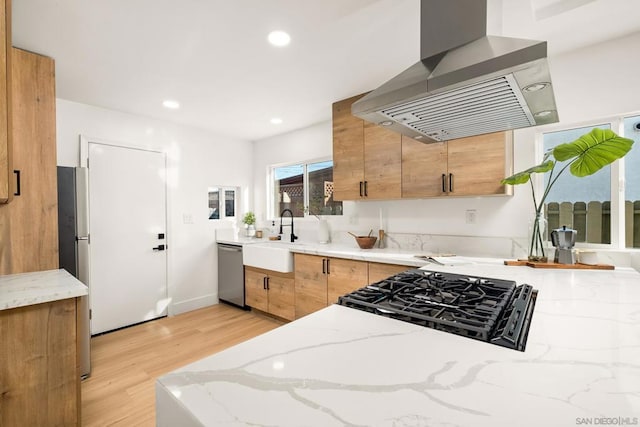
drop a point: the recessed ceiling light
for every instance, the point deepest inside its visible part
(543, 113)
(279, 38)
(171, 104)
(276, 121)
(536, 87)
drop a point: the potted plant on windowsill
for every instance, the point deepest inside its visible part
(584, 156)
(249, 221)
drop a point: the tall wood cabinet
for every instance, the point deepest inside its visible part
(6, 169)
(366, 157)
(29, 224)
(470, 166)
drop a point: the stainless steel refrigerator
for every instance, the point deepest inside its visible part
(73, 244)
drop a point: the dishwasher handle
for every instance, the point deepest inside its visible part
(229, 248)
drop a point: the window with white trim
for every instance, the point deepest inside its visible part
(303, 188)
(603, 208)
(222, 202)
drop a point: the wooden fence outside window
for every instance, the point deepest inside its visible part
(592, 220)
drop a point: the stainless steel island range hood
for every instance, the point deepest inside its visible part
(467, 83)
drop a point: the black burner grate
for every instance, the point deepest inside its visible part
(475, 307)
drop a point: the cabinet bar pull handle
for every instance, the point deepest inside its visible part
(360, 188)
(329, 264)
(444, 185)
(366, 189)
(324, 266)
(267, 282)
(264, 283)
(451, 182)
(17, 172)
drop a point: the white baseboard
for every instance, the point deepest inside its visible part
(192, 304)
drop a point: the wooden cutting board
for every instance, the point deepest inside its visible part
(576, 266)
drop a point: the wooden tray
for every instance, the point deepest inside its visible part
(576, 266)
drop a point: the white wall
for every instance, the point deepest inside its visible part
(591, 83)
(196, 160)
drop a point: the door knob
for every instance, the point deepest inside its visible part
(159, 248)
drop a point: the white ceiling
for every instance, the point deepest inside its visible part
(212, 56)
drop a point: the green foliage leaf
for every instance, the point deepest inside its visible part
(593, 151)
(524, 176)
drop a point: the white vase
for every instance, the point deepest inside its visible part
(323, 232)
(251, 230)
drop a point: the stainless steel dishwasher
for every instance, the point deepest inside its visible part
(231, 274)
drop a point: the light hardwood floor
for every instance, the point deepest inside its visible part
(126, 363)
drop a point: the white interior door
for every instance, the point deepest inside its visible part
(127, 222)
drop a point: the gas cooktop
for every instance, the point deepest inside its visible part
(492, 310)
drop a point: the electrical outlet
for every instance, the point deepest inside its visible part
(187, 218)
(471, 216)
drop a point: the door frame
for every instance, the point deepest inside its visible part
(83, 160)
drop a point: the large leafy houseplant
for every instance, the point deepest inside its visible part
(584, 156)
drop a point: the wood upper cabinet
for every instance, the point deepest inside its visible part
(29, 224)
(270, 291)
(348, 151)
(372, 162)
(470, 166)
(424, 167)
(344, 276)
(366, 157)
(382, 163)
(6, 169)
(477, 164)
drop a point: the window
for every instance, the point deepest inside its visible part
(587, 204)
(304, 187)
(583, 204)
(632, 184)
(222, 202)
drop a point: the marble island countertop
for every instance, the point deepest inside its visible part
(341, 366)
(19, 290)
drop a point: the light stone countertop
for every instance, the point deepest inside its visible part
(19, 290)
(341, 366)
(384, 255)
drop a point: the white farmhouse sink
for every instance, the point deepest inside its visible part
(270, 256)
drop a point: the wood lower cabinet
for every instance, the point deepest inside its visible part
(39, 365)
(6, 169)
(379, 271)
(270, 291)
(366, 157)
(29, 224)
(344, 276)
(321, 280)
(310, 283)
(472, 166)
